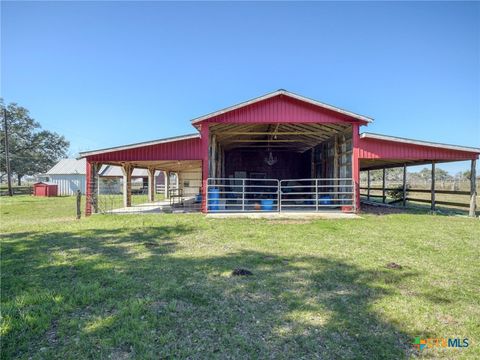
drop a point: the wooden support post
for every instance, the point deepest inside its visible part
(91, 194)
(223, 162)
(204, 137)
(219, 160)
(384, 198)
(166, 181)
(79, 204)
(432, 201)
(213, 156)
(368, 185)
(312, 163)
(151, 184)
(127, 185)
(88, 189)
(94, 186)
(336, 171)
(473, 188)
(356, 165)
(404, 199)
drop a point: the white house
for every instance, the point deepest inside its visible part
(69, 175)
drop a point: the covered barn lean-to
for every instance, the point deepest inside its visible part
(277, 152)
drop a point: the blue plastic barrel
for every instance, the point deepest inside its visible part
(267, 204)
(325, 200)
(213, 199)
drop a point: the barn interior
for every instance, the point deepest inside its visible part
(280, 151)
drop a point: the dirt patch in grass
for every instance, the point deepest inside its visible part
(150, 244)
(241, 272)
(51, 334)
(394, 266)
(447, 319)
(120, 354)
(158, 306)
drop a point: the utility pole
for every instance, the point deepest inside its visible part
(7, 155)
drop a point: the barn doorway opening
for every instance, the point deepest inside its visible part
(279, 167)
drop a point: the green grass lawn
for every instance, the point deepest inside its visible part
(160, 286)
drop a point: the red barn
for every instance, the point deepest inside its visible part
(277, 152)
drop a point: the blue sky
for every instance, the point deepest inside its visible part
(110, 73)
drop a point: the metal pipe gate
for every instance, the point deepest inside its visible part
(272, 195)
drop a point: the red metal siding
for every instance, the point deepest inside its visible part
(189, 149)
(393, 150)
(41, 189)
(281, 109)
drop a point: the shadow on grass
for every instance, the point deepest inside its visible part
(123, 293)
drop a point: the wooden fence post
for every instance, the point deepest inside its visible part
(473, 188)
(432, 207)
(404, 200)
(368, 185)
(383, 187)
(79, 203)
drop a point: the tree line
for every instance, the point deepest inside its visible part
(32, 150)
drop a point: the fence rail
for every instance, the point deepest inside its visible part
(418, 191)
(426, 191)
(18, 190)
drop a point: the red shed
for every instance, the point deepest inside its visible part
(44, 188)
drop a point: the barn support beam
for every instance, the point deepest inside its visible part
(404, 195)
(356, 164)
(336, 168)
(166, 182)
(384, 198)
(204, 134)
(312, 163)
(432, 192)
(95, 187)
(127, 170)
(151, 184)
(473, 188)
(91, 204)
(213, 156)
(368, 185)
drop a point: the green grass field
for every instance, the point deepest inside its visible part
(160, 286)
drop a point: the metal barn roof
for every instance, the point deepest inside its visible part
(368, 135)
(68, 167)
(116, 171)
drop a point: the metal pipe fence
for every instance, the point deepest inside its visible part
(272, 195)
(234, 195)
